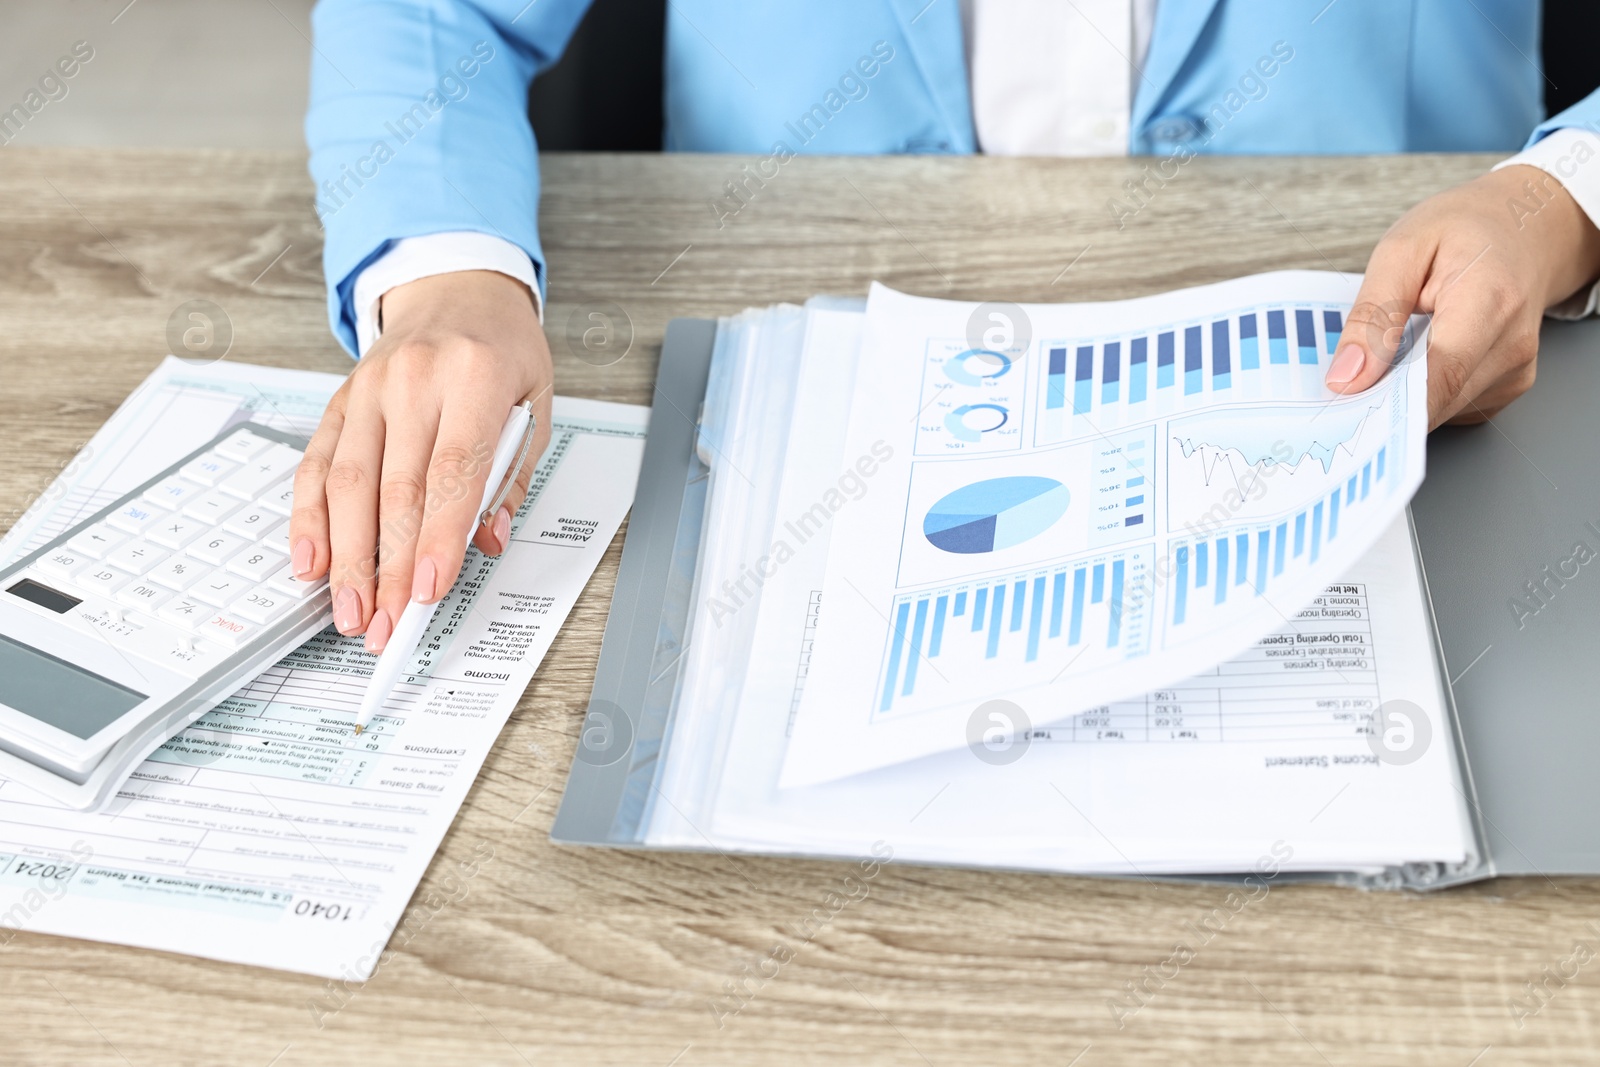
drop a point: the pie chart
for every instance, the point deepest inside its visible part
(995, 513)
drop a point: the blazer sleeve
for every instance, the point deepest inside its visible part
(1585, 113)
(418, 124)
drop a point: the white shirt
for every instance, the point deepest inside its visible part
(1047, 79)
(1055, 79)
(1572, 157)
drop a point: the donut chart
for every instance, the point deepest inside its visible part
(963, 430)
(977, 366)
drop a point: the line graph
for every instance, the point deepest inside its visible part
(1245, 465)
(1257, 496)
(1260, 438)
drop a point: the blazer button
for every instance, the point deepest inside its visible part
(1174, 129)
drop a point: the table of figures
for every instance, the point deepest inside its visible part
(1314, 680)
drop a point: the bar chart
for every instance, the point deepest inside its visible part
(1095, 382)
(1209, 572)
(1095, 609)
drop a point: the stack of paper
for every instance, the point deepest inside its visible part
(1113, 588)
(267, 833)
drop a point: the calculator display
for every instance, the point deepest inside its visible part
(44, 596)
(56, 692)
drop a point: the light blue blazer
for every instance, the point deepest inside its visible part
(418, 119)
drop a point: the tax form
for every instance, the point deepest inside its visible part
(266, 833)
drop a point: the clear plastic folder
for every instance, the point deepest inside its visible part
(683, 742)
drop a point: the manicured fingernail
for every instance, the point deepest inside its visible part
(304, 553)
(378, 631)
(1346, 365)
(502, 528)
(347, 611)
(423, 580)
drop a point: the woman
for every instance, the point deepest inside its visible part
(427, 183)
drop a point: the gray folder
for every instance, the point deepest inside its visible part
(1507, 526)
(1502, 512)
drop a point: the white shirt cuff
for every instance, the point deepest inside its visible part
(411, 258)
(1571, 155)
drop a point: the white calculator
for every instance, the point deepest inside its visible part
(128, 627)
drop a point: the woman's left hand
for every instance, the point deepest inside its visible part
(1485, 259)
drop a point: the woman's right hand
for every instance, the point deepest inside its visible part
(388, 492)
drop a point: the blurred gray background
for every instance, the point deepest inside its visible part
(165, 73)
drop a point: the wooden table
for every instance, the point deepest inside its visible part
(558, 955)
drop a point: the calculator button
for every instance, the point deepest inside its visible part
(146, 596)
(175, 531)
(251, 522)
(284, 581)
(211, 507)
(134, 516)
(172, 492)
(277, 538)
(136, 557)
(263, 606)
(255, 563)
(241, 446)
(219, 589)
(227, 630)
(101, 579)
(280, 498)
(184, 613)
(62, 563)
(215, 548)
(96, 541)
(262, 472)
(208, 469)
(179, 573)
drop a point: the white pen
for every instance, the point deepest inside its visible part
(515, 440)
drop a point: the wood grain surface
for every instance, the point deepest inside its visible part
(557, 955)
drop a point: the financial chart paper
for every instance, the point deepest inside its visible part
(1097, 501)
(266, 833)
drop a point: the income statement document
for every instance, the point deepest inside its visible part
(267, 833)
(1326, 744)
(1114, 497)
